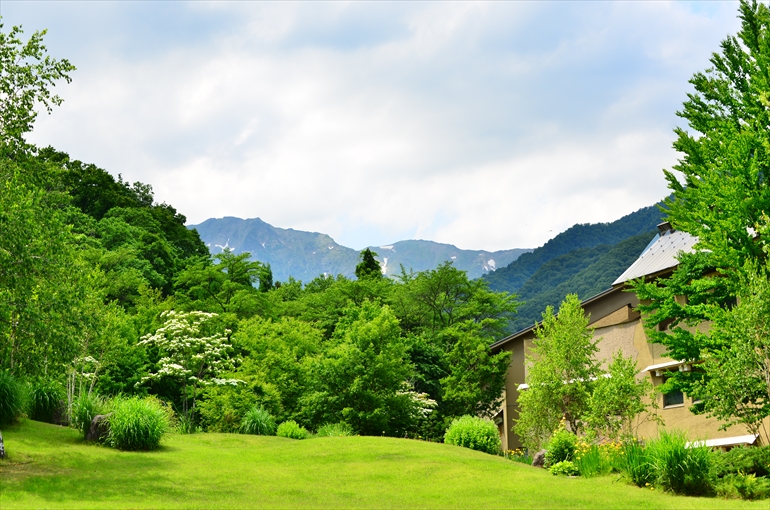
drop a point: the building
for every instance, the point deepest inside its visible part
(618, 325)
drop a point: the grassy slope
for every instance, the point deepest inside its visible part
(50, 466)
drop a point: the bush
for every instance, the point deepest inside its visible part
(752, 460)
(137, 424)
(560, 447)
(635, 464)
(291, 430)
(743, 486)
(11, 398)
(84, 408)
(335, 429)
(680, 469)
(474, 433)
(258, 421)
(564, 467)
(46, 402)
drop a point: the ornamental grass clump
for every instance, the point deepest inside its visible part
(11, 398)
(680, 467)
(474, 433)
(635, 464)
(137, 424)
(258, 421)
(45, 402)
(292, 430)
(597, 460)
(335, 430)
(84, 408)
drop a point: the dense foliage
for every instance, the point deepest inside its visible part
(522, 270)
(568, 388)
(105, 292)
(474, 433)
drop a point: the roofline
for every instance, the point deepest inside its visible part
(521, 332)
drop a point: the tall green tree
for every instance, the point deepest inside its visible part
(721, 194)
(561, 371)
(368, 267)
(27, 75)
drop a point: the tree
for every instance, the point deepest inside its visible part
(368, 267)
(192, 356)
(618, 399)
(721, 194)
(737, 389)
(27, 75)
(362, 377)
(560, 373)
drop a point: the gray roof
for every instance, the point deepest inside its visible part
(659, 255)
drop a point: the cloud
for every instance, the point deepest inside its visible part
(485, 125)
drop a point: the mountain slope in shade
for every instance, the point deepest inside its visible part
(305, 255)
(585, 272)
(514, 276)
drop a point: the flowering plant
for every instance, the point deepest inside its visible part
(190, 357)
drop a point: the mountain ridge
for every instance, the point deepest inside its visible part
(305, 255)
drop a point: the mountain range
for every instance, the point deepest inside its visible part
(305, 255)
(584, 259)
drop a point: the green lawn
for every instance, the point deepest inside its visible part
(51, 467)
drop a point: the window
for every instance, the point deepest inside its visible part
(673, 398)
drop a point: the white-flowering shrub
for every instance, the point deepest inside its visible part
(189, 356)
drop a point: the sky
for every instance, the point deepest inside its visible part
(484, 125)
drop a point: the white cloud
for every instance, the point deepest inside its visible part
(486, 125)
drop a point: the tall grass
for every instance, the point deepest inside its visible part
(137, 424)
(679, 468)
(334, 430)
(84, 408)
(11, 398)
(636, 465)
(258, 421)
(46, 401)
(597, 460)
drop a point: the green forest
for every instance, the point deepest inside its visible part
(104, 292)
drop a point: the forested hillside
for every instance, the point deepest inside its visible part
(105, 292)
(585, 272)
(517, 273)
(305, 255)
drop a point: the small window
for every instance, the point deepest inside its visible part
(673, 398)
(665, 325)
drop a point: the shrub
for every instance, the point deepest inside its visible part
(635, 464)
(680, 469)
(291, 430)
(46, 402)
(11, 398)
(137, 424)
(474, 433)
(258, 421)
(743, 486)
(84, 408)
(335, 429)
(560, 447)
(747, 460)
(564, 467)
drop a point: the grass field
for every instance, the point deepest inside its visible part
(51, 467)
